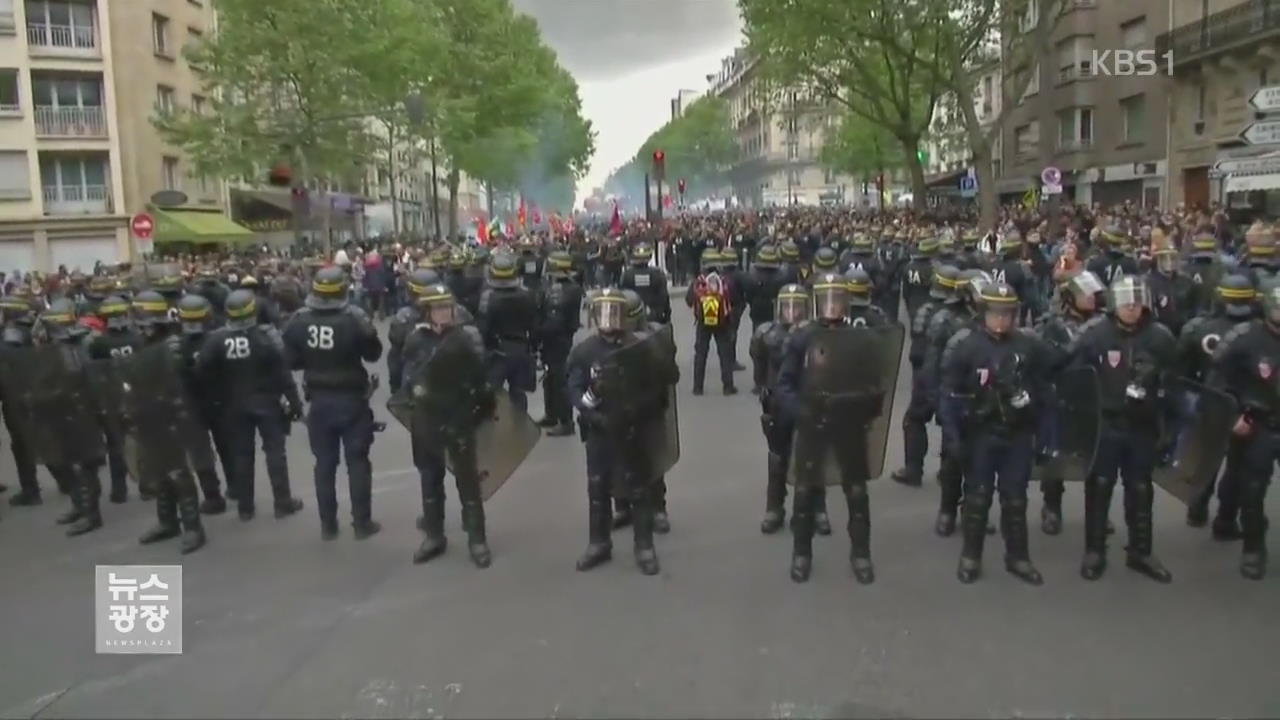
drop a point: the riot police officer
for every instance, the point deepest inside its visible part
(404, 321)
(1172, 295)
(862, 313)
(943, 298)
(80, 475)
(119, 340)
(762, 285)
(531, 266)
(1010, 268)
(993, 390)
(828, 432)
(917, 275)
(209, 286)
(558, 311)
(768, 345)
(245, 364)
(1199, 340)
(330, 341)
(1245, 366)
(16, 335)
(507, 320)
(1113, 260)
(449, 420)
(195, 315)
(1081, 296)
(609, 424)
(650, 283)
(1133, 354)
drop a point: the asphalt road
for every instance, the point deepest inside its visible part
(280, 624)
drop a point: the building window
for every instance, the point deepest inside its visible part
(73, 179)
(169, 173)
(1134, 111)
(15, 178)
(165, 100)
(1075, 57)
(829, 176)
(160, 34)
(1033, 82)
(9, 98)
(194, 37)
(7, 23)
(1134, 33)
(61, 25)
(198, 104)
(66, 92)
(1199, 94)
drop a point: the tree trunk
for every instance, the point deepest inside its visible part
(391, 165)
(455, 179)
(435, 189)
(919, 192)
(988, 201)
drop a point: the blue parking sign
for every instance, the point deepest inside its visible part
(968, 186)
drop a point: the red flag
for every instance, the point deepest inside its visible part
(521, 214)
(482, 231)
(537, 216)
(554, 221)
(615, 223)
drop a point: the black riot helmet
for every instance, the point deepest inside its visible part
(825, 260)
(169, 284)
(790, 252)
(859, 283)
(767, 256)
(1126, 293)
(946, 279)
(830, 297)
(150, 309)
(637, 315)
(998, 303)
(242, 309)
(559, 265)
(1082, 293)
(971, 284)
(641, 254)
(16, 310)
(420, 281)
(503, 272)
(1271, 303)
(114, 312)
(1236, 296)
(793, 304)
(194, 312)
(926, 248)
(328, 289)
(100, 286)
(59, 321)
(438, 305)
(608, 312)
(1010, 244)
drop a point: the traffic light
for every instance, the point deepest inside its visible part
(922, 156)
(681, 186)
(660, 165)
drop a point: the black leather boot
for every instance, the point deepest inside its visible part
(1253, 522)
(599, 543)
(802, 535)
(193, 537)
(1017, 546)
(642, 529)
(1097, 504)
(1226, 528)
(167, 526)
(661, 521)
(435, 543)
(73, 514)
(25, 498)
(365, 529)
(945, 524)
(908, 476)
(821, 522)
(90, 518)
(214, 503)
(860, 533)
(974, 531)
(477, 545)
(563, 429)
(1051, 511)
(1138, 556)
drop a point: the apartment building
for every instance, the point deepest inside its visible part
(62, 197)
(1105, 131)
(947, 144)
(681, 101)
(780, 137)
(1223, 52)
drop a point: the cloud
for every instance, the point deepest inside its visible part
(604, 39)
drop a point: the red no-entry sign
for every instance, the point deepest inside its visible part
(143, 226)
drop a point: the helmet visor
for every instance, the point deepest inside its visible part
(1129, 292)
(441, 313)
(830, 302)
(609, 315)
(1167, 263)
(792, 309)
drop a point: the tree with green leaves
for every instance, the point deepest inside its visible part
(699, 147)
(862, 149)
(840, 51)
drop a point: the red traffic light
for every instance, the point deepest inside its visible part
(659, 156)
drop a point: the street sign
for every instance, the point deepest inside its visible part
(169, 198)
(1248, 165)
(1051, 189)
(1266, 132)
(968, 186)
(1051, 176)
(142, 226)
(1266, 99)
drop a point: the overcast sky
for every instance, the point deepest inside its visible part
(630, 58)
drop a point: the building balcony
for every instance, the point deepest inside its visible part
(1234, 28)
(77, 200)
(63, 40)
(78, 122)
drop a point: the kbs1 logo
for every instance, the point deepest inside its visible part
(1131, 63)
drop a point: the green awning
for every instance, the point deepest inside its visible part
(202, 227)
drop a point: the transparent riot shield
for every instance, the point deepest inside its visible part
(59, 411)
(1073, 426)
(1201, 439)
(846, 398)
